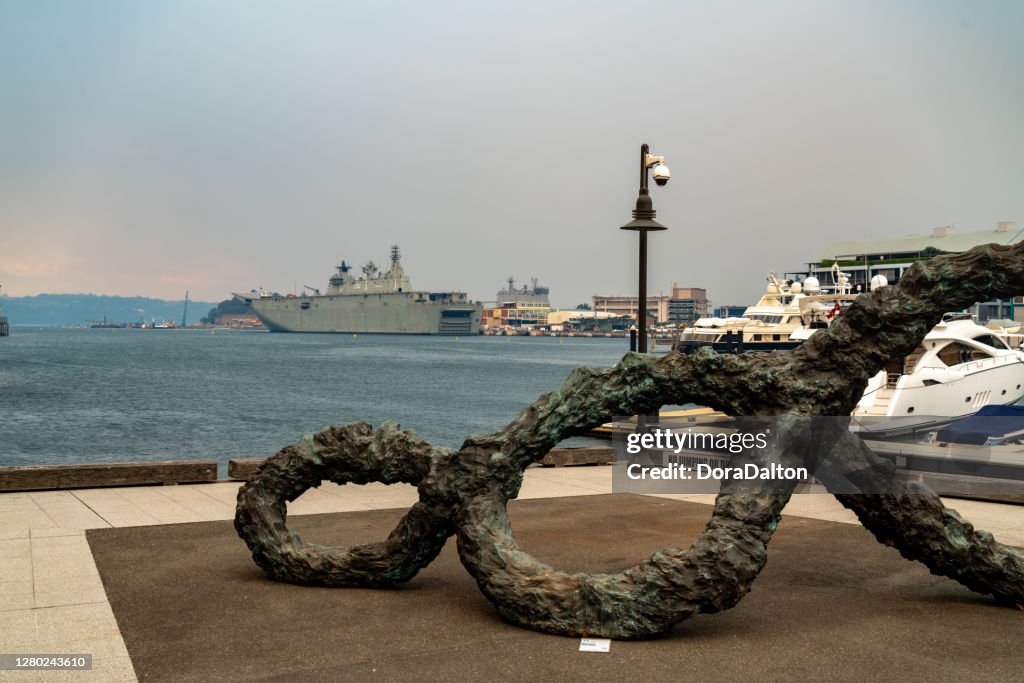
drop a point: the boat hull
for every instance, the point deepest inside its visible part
(383, 313)
(998, 381)
(735, 345)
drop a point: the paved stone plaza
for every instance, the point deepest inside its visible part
(52, 599)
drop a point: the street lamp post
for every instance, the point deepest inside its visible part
(643, 222)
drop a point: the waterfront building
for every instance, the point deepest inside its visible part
(686, 305)
(240, 320)
(891, 257)
(625, 305)
(729, 311)
(577, 319)
(682, 307)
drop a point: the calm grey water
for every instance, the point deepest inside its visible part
(75, 396)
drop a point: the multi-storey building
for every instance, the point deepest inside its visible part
(861, 260)
(682, 307)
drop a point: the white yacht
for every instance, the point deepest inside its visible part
(958, 368)
(784, 317)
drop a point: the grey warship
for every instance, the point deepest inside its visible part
(376, 303)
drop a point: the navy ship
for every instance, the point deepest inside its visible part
(377, 303)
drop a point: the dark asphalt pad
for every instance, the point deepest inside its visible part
(832, 603)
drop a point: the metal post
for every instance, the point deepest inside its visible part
(642, 302)
(643, 222)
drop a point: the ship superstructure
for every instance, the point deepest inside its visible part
(375, 302)
(534, 293)
(519, 307)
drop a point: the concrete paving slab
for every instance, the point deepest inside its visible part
(57, 531)
(114, 670)
(73, 590)
(66, 510)
(154, 502)
(61, 567)
(100, 648)
(15, 568)
(71, 542)
(114, 508)
(8, 588)
(15, 533)
(16, 601)
(370, 496)
(15, 547)
(66, 622)
(539, 491)
(23, 518)
(17, 621)
(205, 507)
(224, 492)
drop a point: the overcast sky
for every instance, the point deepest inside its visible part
(153, 147)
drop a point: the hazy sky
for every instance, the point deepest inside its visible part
(153, 147)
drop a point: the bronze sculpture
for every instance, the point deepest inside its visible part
(464, 492)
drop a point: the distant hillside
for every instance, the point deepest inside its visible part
(79, 309)
(228, 307)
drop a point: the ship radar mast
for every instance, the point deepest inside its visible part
(338, 279)
(396, 255)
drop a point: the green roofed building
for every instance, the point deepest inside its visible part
(890, 257)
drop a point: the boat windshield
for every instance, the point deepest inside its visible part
(765, 318)
(991, 340)
(955, 353)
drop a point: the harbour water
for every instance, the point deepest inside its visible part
(79, 395)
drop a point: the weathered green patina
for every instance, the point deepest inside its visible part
(464, 492)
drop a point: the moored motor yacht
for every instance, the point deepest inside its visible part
(783, 318)
(959, 367)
